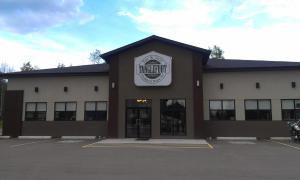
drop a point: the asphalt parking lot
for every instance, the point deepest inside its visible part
(75, 159)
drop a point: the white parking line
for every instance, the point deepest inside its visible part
(284, 144)
(24, 144)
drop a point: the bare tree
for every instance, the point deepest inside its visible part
(95, 57)
(5, 68)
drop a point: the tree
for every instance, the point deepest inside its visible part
(216, 52)
(61, 65)
(95, 57)
(5, 68)
(28, 67)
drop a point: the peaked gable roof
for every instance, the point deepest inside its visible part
(206, 52)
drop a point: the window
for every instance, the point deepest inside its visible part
(172, 117)
(221, 110)
(258, 109)
(35, 111)
(65, 111)
(290, 109)
(95, 111)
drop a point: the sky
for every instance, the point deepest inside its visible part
(47, 33)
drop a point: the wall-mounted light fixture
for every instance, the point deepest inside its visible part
(257, 85)
(221, 86)
(96, 88)
(113, 85)
(36, 89)
(293, 84)
(65, 89)
(197, 83)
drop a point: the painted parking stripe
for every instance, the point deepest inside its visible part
(284, 144)
(24, 144)
(29, 143)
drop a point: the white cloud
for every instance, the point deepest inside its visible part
(26, 16)
(277, 9)
(44, 52)
(193, 23)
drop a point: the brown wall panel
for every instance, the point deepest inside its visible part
(198, 96)
(246, 129)
(13, 110)
(113, 98)
(67, 128)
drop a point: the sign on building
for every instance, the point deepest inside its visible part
(153, 69)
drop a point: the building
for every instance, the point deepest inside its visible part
(156, 88)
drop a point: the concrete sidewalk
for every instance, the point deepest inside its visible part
(154, 141)
(151, 143)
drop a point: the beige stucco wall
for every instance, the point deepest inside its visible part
(274, 85)
(51, 90)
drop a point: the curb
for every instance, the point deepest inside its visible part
(34, 137)
(78, 137)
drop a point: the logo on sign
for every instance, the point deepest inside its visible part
(153, 69)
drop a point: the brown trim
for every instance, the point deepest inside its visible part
(64, 128)
(262, 129)
(243, 69)
(198, 96)
(113, 109)
(13, 111)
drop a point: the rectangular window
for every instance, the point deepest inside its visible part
(35, 111)
(95, 111)
(65, 111)
(290, 109)
(172, 117)
(221, 110)
(258, 109)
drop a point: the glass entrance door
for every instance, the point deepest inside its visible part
(138, 120)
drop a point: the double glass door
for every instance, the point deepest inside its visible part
(138, 121)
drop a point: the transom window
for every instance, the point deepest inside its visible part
(258, 109)
(172, 117)
(36, 111)
(95, 111)
(221, 110)
(65, 111)
(290, 109)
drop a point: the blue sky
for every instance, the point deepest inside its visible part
(66, 31)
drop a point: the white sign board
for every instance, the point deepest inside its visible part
(153, 69)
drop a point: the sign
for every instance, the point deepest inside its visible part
(153, 69)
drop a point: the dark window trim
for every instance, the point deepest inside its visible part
(26, 103)
(257, 110)
(130, 107)
(222, 107)
(106, 102)
(160, 116)
(294, 100)
(65, 102)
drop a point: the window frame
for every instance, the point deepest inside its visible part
(173, 134)
(65, 102)
(294, 109)
(222, 109)
(96, 104)
(257, 110)
(35, 110)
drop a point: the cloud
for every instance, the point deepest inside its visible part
(275, 9)
(26, 16)
(198, 23)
